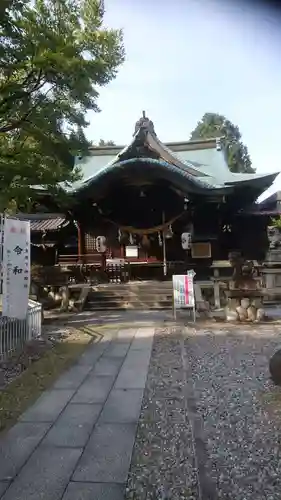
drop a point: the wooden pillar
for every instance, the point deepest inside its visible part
(80, 249)
(164, 247)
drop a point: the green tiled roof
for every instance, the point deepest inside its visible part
(204, 167)
(155, 169)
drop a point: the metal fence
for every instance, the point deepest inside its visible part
(14, 333)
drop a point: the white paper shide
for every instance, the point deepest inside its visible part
(16, 268)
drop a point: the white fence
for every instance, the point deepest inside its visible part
(14, 333)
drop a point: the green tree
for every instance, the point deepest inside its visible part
(102, 142)
(215, 125)
(54, 55)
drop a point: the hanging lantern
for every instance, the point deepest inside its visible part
(169, 233)
(101, 244)
(186, 241)
(145, 241)
(159, 239)
(131, 239)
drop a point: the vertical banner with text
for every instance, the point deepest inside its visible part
(16, 268)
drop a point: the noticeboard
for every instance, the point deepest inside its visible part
(183, 292)
(131, 251)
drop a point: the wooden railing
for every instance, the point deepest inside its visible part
(96, 259)
(142, 260)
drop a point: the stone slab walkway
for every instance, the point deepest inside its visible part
(76, 441)
(168, 413)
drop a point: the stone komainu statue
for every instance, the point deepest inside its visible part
(274, 237)
(243, 271)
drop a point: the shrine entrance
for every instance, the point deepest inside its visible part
(142, 222)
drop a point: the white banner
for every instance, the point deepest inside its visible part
(16, 268)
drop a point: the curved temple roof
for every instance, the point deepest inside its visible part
(156, 169)
(161, 161)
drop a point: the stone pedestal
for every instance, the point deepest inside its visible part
(272, 274)
(244, 305)
(245, 295)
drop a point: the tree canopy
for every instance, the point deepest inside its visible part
(54, 56)
(102, 142)
(215, 125)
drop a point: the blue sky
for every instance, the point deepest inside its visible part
(187, 57)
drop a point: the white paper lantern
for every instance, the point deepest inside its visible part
(186, 241)
(101, 244)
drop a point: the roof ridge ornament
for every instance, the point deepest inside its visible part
(145, 124)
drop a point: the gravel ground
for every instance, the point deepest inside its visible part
(163, 463)
(210, 425)
(240, 407)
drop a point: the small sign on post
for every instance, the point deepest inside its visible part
(183, 293)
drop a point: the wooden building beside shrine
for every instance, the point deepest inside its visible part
(160, 208)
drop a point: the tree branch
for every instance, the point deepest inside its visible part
(16, 123)
(11, 99)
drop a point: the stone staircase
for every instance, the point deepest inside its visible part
(144, 295)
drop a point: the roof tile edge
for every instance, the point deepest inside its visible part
(208, 143)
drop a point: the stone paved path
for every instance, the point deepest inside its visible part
(152, 413)
(76, 441)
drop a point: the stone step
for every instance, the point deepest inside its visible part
(128, 291)
(129, 295)
(135, 295)
(271, 302)
(134, 286)
(124, 307)
(132, 304)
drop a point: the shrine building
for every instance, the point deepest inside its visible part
(157, 208)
